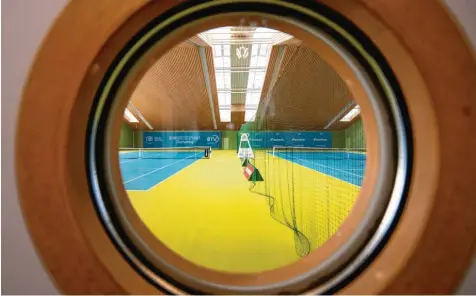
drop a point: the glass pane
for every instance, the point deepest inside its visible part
(219, 62)
(220, 80)
(227, 80)
(263, 49)
(251, 79)
(217, 50)
(226, 62)
(225, 115)
(254, 50)
(226, 50)
(249, 115)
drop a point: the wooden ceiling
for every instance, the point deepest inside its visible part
(301, 91)
(306, 94)
(173, 96)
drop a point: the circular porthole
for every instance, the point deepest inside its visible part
(393, 193)
(382, 96)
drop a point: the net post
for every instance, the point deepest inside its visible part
(208, 152)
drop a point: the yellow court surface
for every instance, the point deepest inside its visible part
(207, 213)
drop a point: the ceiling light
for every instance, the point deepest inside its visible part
(351, 114)
(128, 115)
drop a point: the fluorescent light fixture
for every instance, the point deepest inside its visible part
(351, 114)
(128, 115)
(222, 60)
(260, 54)
(250, 50)
(225, 115)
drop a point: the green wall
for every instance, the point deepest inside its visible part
(354, 135)
(130, 138)
(351, 137)
(126, 136)
(232, 139)
(138, 139)
(338, 139)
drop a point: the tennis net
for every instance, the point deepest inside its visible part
(165, 153)
(320, 153)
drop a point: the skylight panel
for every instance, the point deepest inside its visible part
(351, 114)
(129, 116)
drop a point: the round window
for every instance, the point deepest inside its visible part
(243, 150)
(245, 147)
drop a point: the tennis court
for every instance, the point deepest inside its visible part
(346, 165)
(142, 172)
(241, 152)
(203, 208)
(156, 166)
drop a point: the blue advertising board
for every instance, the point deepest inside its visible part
(293, 139)
(182, 139)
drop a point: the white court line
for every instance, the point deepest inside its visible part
(332, 168)
(121, 162)
(155, 170)
(330, 176)
(166, 178)
(219, 160)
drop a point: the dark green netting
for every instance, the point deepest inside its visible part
(310, 190)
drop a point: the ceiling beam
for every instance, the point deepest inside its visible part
(208, 85)
(197, 41)
(237, 108)
(274, 77)
(136, 112)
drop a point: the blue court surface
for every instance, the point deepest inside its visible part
(348, 167)
(143, 174)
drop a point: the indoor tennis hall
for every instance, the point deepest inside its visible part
(241, 147)
(242, 150)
